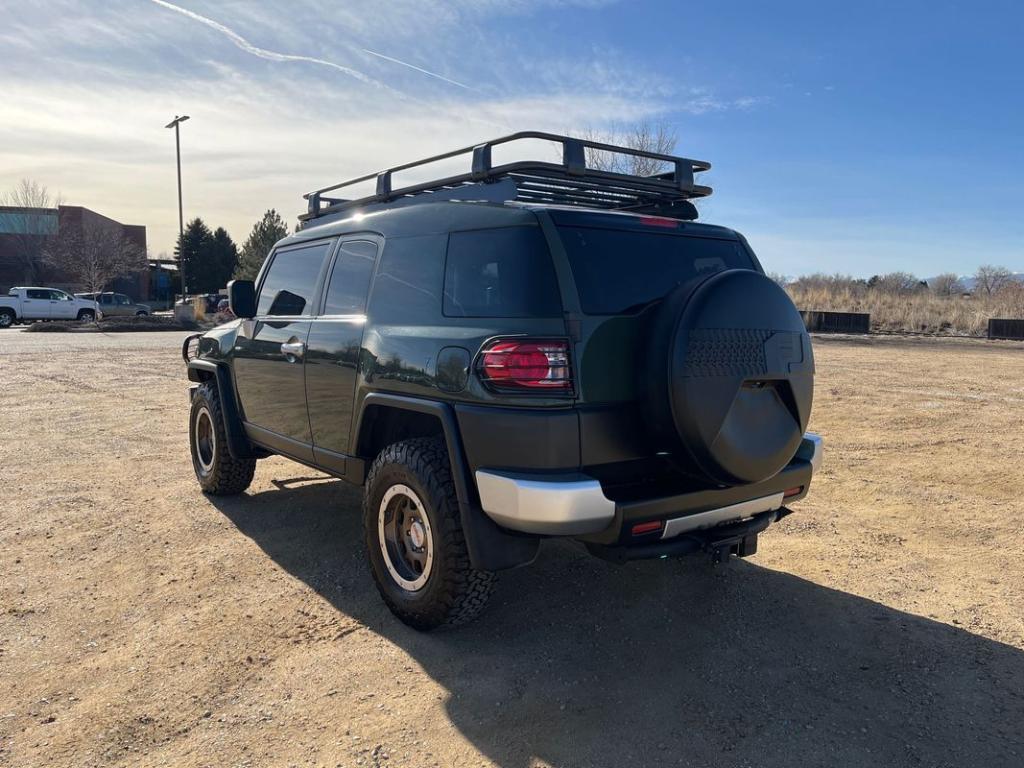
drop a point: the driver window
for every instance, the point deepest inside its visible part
(290, 283)
(122, 299)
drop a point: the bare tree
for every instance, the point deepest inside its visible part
(895, 282)
(95, 254)
(946, 284)
(31, 231)
(992, 279)
(658, 138)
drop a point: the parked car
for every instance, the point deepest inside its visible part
(28, 304)
(116, 304)
(210, 302)
(528, 351)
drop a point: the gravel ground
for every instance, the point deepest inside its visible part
(144, 624)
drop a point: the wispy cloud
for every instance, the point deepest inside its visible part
(91, 88)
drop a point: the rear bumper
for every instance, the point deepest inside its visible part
(574, 504)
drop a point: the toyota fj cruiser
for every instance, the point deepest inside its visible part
(527, 350)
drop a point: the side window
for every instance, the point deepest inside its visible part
(106, 298)
(407, 288)
(122, 299)
(504, 272)
(290, 283)
(37, 294)
(350, 278)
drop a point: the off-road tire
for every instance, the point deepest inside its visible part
(141, 314)
(454, 592)
(223, 474)
(86, 316)
(7, 318)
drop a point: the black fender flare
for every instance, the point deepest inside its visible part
(238, 442)
(491, 547)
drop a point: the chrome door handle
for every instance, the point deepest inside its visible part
(293, 350)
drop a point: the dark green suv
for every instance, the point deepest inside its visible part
(527, 350)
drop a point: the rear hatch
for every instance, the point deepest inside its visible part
(622, 267)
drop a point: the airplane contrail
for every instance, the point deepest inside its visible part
(418, 69)
(263, 53)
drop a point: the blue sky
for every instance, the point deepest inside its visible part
(845, 137)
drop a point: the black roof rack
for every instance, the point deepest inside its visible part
(569, 182)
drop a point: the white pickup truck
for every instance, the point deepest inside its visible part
(25, 305)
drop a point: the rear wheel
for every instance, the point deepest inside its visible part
(414, 538)
(141, 313)
(7, 318)
(218, 472)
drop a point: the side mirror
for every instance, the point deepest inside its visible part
(242, 298)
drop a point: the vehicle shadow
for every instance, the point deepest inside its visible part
(579, 662)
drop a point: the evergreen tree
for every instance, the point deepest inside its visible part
(265, 233)
(192, 252)
(223, 259)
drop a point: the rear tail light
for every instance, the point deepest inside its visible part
(527, 365)
(790, 492)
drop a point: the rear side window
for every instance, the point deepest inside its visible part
(620, 272)
(37, 294)
(290, 282)
(505, 272)
(350, 278)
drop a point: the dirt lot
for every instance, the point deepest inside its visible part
(144, 624)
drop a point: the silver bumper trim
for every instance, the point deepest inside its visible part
(562, 505)
(811, 449)
(713, 517)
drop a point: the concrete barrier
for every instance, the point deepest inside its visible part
(836, 322)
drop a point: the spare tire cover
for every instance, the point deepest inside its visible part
(733, 375)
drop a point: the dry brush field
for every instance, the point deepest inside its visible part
(144, 624)
(919, 311)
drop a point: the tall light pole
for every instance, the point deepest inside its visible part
(178, 120)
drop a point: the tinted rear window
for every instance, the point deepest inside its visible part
(620, 272)
(504, 272)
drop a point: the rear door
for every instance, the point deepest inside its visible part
(35, 304)
(333, 349)
(63, 306)
(125, 306)
(270, 349)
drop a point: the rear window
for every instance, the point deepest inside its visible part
(504, 272)
(620, 272)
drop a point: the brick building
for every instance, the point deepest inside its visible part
(30, 228)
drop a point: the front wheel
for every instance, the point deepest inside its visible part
(218, 472)
(86, 316)
(141, 313)
(414, 539)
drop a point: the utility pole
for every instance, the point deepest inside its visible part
(181, 216)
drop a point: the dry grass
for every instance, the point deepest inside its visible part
(914, 312)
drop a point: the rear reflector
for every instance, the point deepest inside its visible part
(792, 492)
(527, 364)
(641, 528)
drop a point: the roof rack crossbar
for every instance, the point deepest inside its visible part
(569, 182)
